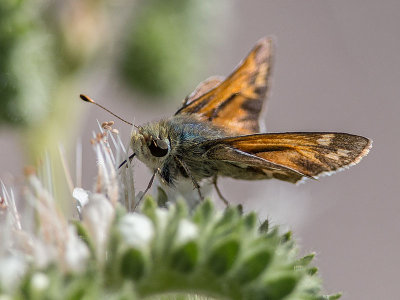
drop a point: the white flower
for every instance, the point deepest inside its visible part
(136, 229)
(12, 269)
(40, 281)
(97, 216)
(43, 253)
(81, 196)
(162, 219)
(76, 252)
(186, 231)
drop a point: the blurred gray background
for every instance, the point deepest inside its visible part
(337, 68)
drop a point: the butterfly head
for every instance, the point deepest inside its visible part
(151, 144)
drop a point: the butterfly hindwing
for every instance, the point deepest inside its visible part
(291, 156)
(235, 103)
(249, 166)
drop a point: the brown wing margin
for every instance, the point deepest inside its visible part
(309, 154)
(236, 102)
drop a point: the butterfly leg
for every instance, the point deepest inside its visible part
(146, 190)
(125, 161)
(219, 192)
(195, 183)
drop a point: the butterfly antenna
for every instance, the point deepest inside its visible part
(88, 99)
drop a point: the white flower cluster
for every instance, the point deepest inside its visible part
(53, 239)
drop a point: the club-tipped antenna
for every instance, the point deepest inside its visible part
(88, 99)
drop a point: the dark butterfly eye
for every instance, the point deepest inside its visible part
(158, 148)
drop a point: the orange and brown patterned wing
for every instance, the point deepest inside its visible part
(204, 87)
(236, 102)
(292, 155)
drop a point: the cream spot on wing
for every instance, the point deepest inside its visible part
(240, 165)
(343, 152)
(269, 173)
(333, 156)
(262, 71)
(326, 139)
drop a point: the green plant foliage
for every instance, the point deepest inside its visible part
(26, 69)
(185, 258)
(165, 44)
(132, 264)
(209, 253)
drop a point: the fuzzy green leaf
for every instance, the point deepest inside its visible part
(132, 264)
(185, 258)
(250, 221)
(162, 198)
(253, 266)
(204, 212)
(286, 237)
(281, 286)
(264, 227)
(84, 235)
(208, 253)
(223, 257)
(306, 260)
(312, 271)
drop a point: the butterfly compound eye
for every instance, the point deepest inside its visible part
(158, 148)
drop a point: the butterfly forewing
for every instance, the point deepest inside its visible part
(203, 87)
(235, 103)
(307, 154)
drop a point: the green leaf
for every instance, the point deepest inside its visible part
(312, 271)
(81, 288)
(286, 237)
(305, 261)
(223, 257)
(331, 297)
(204, 212)
(162, 198)
(228, 223)
(84, 235)
(253, 266)
(281, 286)
(148, 208)
(250, 221)
(239, 207)
(264, 227)
(185, 258)
(132, 264)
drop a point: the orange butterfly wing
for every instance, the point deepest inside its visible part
(204, 87)
(236, 102)
(291, 156)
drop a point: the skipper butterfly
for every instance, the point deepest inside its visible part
(216, 133)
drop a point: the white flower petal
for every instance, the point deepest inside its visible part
(97, 216)
(136, 229)
(162, 218)
(40, 281)
(81, 195)
(187, 230)
(76, 252)
(43, 253)
(12, 268)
